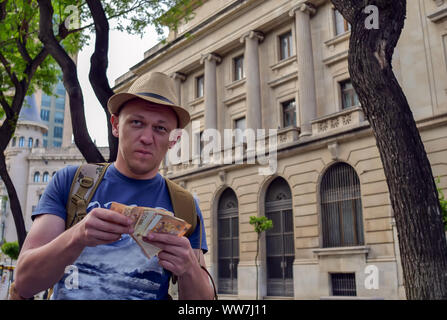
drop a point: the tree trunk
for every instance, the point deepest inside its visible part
(13, 202)
(412, 189)
(98, 68)
(82, 139)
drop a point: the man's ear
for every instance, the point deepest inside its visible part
(114, 121)
(174, 136)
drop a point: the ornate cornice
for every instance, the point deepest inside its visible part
(303, 7)
(178, 75)
(210, 57)
(252, 35)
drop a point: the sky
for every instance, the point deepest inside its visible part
(124, 52)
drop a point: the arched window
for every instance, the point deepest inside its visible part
(30, 142)
(279, 240)
(21, 141)
(341, 207)
(36, 144)
(14, 142)
(36, 176)
(228, 242)
(46, 176)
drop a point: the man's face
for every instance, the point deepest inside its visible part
(143, 130)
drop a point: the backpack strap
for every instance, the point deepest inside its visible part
(184, 206)
(86, 180)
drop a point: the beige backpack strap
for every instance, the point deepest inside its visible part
(86, 180)
(183, 205)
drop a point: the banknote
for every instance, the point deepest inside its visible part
(147, 220)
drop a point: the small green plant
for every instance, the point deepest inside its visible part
(442, 202)
(260, 224)
(11, 249)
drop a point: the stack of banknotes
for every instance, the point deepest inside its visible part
(147, 220)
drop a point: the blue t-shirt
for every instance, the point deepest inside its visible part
(117, 270)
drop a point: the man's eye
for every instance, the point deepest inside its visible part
(161, 129)
(136, 122)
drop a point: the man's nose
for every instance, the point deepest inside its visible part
(147, 136)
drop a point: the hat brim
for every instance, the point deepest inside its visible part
(117, 100)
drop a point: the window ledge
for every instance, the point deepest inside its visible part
(341, 251)
(196, 101)
(439, 15)
(235, 84)
(277, 298)
(337, 39)
(284, 62)
(350, 298)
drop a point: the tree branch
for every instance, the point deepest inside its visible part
(98, 68)
(82, 139)
(3, 9)
(10, 73)
(5, 105)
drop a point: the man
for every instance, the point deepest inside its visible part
(107, 261)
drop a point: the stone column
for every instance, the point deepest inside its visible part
(253, 81)
(178, 78)
(307, 104)
(210, 89)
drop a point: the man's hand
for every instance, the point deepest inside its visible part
(102, 226)
(177, 255)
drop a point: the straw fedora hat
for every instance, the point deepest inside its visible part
(154, 87)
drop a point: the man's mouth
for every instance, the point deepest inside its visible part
(144, 152)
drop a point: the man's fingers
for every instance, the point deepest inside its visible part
(110, 227)
(112, 216)
(101, 236)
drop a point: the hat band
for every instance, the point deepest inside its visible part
(154, 95)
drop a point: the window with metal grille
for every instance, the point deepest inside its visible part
(343, 284)
(228, 242)
(341, 207)
(279, 240)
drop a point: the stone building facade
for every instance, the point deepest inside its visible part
(282, 65)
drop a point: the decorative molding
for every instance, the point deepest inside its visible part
(438, 16)
(178, 75)
(235, 84)
(283, 63)
(341, 251)
(196, 102)
(336, 58)
(303, 7)
(223, 176)
(338, 39)
(288, 77)
(234, 99)
(339, 120)
(251, 35)
(334, 150)
(210, 57)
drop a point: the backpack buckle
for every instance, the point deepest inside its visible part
(86, 182)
